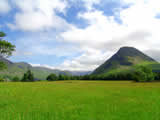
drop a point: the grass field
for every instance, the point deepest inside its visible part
(80, 100)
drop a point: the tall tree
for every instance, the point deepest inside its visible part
(28, 77)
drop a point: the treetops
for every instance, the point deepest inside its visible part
(6, 48)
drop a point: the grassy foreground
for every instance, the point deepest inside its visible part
(80, 100)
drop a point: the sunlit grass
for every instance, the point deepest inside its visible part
(80, 100)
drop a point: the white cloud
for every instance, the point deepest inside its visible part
(46, 6)
(42, 65)
(101, 29)
(39, 15)
(142, 16)
(89, 3)
(4, 6)
(89, 60)
(37, 21)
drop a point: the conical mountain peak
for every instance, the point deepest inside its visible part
(124, 58)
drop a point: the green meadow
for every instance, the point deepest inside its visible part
(80, 100)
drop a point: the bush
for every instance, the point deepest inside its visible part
(52, 77)
(143, 74)
(16, 79)
(157, 76)
(1, 79)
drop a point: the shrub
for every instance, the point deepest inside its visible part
(16, 79)
(157, 76)
(52, 77)
(143, 74)
(1, 79)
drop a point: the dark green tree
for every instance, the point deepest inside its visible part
(61, 77)
(52, 77)
(157, 76)
(28, 77)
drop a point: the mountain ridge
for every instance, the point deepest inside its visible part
(19, 68)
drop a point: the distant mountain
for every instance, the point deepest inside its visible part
(124, 59)
(18, 69)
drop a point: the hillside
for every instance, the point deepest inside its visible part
(18, 69)
(123, 60)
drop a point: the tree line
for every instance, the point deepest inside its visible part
(138, 74)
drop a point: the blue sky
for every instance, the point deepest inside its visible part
(78, 34)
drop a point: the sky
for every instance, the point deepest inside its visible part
(79, 35)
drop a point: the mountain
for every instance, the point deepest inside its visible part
(123, 60)
(5, 60)
(18, 69)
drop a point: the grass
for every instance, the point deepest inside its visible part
(80, 100)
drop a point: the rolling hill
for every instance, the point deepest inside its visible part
(124, 59)
(18, 69)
